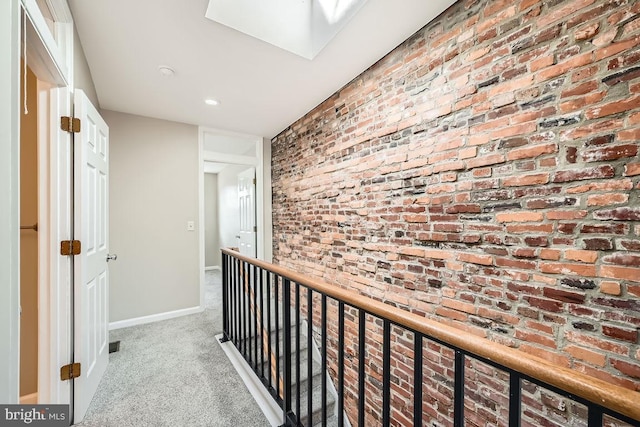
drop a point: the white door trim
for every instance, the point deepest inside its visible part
(10, 43)
(50, 59)
(52, 62)
(54, 225)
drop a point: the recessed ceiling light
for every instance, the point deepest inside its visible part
(166, 71)
(211, 101)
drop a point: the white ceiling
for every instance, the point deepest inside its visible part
(262, 88)
(228, 144)
(214, 167)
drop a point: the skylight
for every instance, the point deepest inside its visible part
(303, 27)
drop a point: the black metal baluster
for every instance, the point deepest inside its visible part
(236, 305)
(243, 292)
(324, 360)
(417, 379)
(243, 283)
(261, 297)
(595, 416)
(386, 373)
(515, 399)
(310, 356)
(458, 390)
(254, 286)
(247, 312)
(225, 300)
(240, 309)
(340, 364)
(278, 325)
(361, 357)
(286, 313)
(268, 286)
(297, 296)
(247, 291)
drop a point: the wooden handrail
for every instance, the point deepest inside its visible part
(619, 399)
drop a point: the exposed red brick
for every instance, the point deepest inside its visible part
(611, 288)
(550, 254)
(551, 356)
(604, 171)
(596, 342)
(579, 255)
(519, 217)
(623, 273)
(536, 338)
(484, 173)
(607, 199)
(587, 355)
(566, 268)
(540, 178)
(534, 151)
(627, 368)
(622, 258)
(619, 214)
(620, 333)
(613, 108)
(586, 32)
(572, 214)
(565, 296)
(615, 48)
(632, 169)
(475, 258)
(610, 153)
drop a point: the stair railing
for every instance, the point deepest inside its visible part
(248, 284)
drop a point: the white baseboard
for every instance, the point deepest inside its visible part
(29, 399)
(269, 407)
(213, 267)
(154, 318)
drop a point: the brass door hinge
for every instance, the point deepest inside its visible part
(70, 371)
(70, 124)
(70, 247)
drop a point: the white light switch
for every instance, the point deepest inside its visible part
(191, 226)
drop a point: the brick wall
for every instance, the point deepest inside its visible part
(485, 173)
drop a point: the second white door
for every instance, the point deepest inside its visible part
(247, 201)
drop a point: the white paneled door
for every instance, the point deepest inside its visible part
(247, 200)
(91, 227)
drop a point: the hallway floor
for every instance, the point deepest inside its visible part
(174, 373)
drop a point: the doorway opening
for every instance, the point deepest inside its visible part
(29, 247)
(225, 219)
(235, 197)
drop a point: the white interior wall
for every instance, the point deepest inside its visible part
(153, 194)
(81, 74)
(211, 233)
(228, 207)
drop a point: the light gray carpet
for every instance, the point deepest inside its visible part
(174, 373)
